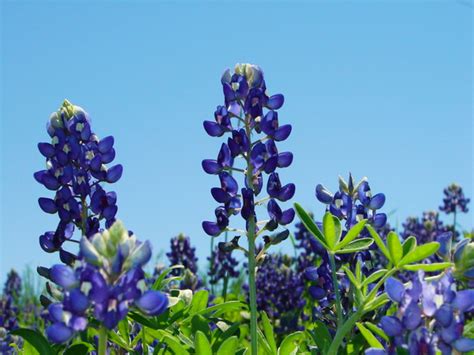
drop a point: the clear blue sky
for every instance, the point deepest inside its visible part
(378, 89)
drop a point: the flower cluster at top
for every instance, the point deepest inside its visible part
(222, 265)
(109, 278)
(430, 316)
(249, 116)
(76, 166)
(280, 291)
(454, 200)
(354, 202)
(182, 253)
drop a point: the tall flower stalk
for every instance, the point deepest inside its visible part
(245, 101)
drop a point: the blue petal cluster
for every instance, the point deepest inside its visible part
(76, 166)
(248, 112)
(13, 285)
(430, 316)
(182, 253)
(454, 200)
(109, 278)
(428, 228)
(222, 265)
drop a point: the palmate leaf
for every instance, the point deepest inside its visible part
(408, 245)
(229, 346)
(289, 345)
(201, 344)
(268, 332)
(36, 339)
(351, 276)
(310, 225)
(373, 277)
(377, 331)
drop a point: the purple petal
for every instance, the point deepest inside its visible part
(311, 273)
(47, 205)
(211, 228)
(287, 216)
(287, 192)
(275, 101)
(464, 344)
(395, 289)
(46, 149)
(220, 195)
(285, 159)
(412, 316)
(213, 129)
(464, 300)
(444, 315)
(391, 326)
(114, 173)
(55, 311)
(323, 195)
(211, 166)
(282, 133)
(153, 302)
(377, 201)
(64, 276)
(380, 219)
(59, 333)
(106, 144)
(317, 292)
(78, 301)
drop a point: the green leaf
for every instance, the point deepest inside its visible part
(36, 339)
(123, 330)
(427, 267)
(263, 343)
(322, 337)
(395, 247)
(331, 230)
(351, 276)
(408, 245)
(356, 245)
(199, 301)
(174, 345)
(419, 253)
(352, 234)
(310, 225)
(289, 345)
(371, 339)
(229, 346)
(268, 331)
(79, 349)
(379, 242)
(377, 331)
(200, 323)
(374, 277)
(201, 344)
(159, 283)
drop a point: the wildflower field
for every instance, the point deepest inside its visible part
(206, 177)
(350, 284)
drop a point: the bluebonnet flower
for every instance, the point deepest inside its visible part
(76, 166)
(353, 203)
(12, 287)
(223, 265)
(430, 316)
(182, 253)
(245, 99)
(280, 292)
(425, 229)
(454, 200)
(109, 279)
(8, 322)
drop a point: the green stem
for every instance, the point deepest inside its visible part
(342, 331)
(336, 289)
(252, 287)
(454, 225)
(251, 252)
(102, 341)
(211, 262)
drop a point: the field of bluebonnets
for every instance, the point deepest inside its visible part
(352, 283)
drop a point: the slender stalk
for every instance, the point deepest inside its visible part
(342, 331)
(102, 341)
(454, 224)
(336, 289)
(251, 252)
(211, 262)
(225, 282)
(252, 287)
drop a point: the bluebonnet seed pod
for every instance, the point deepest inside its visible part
(108, 278)
(76, 166)
(246, 100)
(454, 200)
